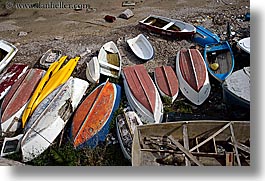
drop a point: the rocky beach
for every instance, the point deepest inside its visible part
(82, 32)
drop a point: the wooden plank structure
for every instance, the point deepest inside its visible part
(192, 143)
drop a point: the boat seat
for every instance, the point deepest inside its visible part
(108, 65)
(167, 25)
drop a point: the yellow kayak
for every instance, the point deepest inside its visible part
(51, 80)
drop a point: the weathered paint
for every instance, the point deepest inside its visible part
(94, 114)
(10, 76)
(166, 80)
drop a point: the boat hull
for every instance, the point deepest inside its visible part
(203, 36)
(142, 94)
(141, 47)
(50, 57)
(10, 76)
(167, 82)
(169, 27)
(92, 119)
(192, 76)
(92, 70)
(17, 98)
(50, 117)
(236, 88)
(9, 52)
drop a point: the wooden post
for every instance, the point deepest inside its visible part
(229, 159)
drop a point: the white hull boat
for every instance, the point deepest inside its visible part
(92, 70)
(141, 47)
(7, 52)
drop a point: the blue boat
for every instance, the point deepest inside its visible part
(204, 36)
(219, 60)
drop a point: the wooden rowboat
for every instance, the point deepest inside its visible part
(192, 75)
(236, 88)
(167, 26)
(92, 70)
(7, 52)
(17, 98)
(10, 76)
(219, 60)
(125, 126)
(49, 57)
(92, 119)
(141, 47)
(49, 83)
(142, 95)
(192, 143)
(167, 83)
(109, 59)
(50, 117)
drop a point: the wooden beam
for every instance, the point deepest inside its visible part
(241, 146)
(235, 146)
(185, 151)
(186, 142)
(211, 137)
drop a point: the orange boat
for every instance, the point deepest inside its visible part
(92, 119)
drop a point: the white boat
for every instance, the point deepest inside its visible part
(141, 47)
(236, 88)
(50, 117)
(142, 94)
(7, 52)
(52, 55)
(192, 75)
(92, 70)
(126, 123)
(109, 59)
(244, 44)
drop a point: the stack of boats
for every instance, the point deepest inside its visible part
(37, 104)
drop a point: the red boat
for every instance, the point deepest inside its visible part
(10, 76)
(167, 82)
(142, 94)
(192, 75)
(167, 26)
(15, 101)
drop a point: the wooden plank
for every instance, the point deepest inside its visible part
(185, 151)
(229, 159)
(235, 146)
(211, 137)
(241, 146)
(186, 142)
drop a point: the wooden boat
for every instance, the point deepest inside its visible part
(52, 55)
(167, 26)
(92, 70)
(109, 59)
(204, 36)
(236, 88)
(92, 119)
(190, 143)
(142, 94)
(49, 83)
(17, 98)
(244, 44)
(7, 52)
(10, 76)
(141, 47)
(50, 117)
(192, 75)
(125, 126)
(219, 60)
(167, 83)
